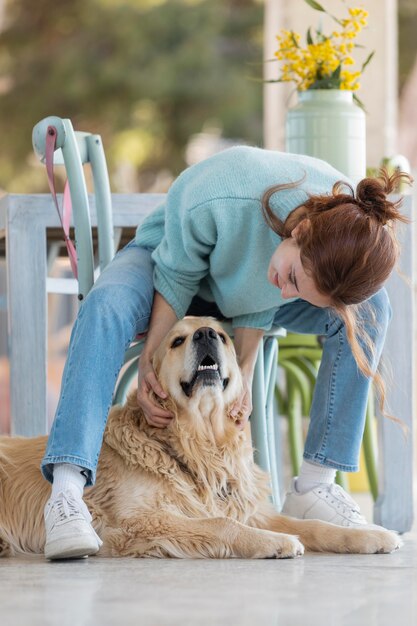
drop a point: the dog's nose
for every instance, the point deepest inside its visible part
(205, 334)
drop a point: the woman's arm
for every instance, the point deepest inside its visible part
(247, 342)
(162, 320)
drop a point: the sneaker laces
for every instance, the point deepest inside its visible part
(66, 506)
(342, 501)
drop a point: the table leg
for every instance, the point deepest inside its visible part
(394, 506)
(27, 323)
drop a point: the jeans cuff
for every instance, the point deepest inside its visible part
(319, 459)
(49, 462)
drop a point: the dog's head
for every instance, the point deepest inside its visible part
(197, 367)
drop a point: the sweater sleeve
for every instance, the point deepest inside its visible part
(182, 257)
(262, 320)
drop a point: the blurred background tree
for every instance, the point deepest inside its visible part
(148, 75)
(145, 74)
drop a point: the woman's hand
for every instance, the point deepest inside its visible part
(162, 319)
(242, 408)
(154, 414)
(247, 342)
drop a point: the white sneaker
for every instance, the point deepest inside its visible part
(69, 533)
(329, 503)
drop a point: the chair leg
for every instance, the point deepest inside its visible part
(258, 419)
(342, 480)
(270, 376)
(262, 420)
(125, 380)
(297, 393)
(124, 383)
(370, 446)
(295, 428)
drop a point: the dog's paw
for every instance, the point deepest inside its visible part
(287, 547)
(278, 546)
(375, 542)
(387, 541)
(4, 548)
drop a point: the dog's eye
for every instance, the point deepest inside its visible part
(222, 337)
(177, 342)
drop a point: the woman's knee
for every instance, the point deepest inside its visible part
(118, 305)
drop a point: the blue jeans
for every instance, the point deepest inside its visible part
(118, 308)
(338, 410)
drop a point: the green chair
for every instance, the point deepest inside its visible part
(299, 359)
(73, 150)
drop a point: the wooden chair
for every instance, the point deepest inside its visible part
(73, 150)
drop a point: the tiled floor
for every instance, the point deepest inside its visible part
(316, 590)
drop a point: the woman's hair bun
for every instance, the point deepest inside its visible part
(372, 195)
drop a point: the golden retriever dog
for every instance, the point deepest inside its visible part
(190, 490)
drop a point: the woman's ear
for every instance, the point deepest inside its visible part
(300, 228)
(295, 232)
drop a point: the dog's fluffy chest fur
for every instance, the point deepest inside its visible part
(161, 472)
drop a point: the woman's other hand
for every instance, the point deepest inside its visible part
(154, 414)
(242, 408)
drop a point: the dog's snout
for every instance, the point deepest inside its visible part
(205, 334)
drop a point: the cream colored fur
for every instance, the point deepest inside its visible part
(188, 490)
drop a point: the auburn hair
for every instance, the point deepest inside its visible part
(348, 246)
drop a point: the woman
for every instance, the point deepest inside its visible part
(263, 238)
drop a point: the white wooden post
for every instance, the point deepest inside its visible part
(27, 325)
(274, 94)
(394, 506)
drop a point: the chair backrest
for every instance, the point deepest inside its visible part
(72, 150)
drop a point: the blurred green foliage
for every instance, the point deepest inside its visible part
(145, 74)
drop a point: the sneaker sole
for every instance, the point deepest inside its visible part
(71, 548)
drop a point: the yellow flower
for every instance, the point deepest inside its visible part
(321, 63)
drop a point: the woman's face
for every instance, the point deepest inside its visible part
(287, 273)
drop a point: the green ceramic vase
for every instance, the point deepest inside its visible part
(327, 124)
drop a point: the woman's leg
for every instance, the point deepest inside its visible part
(116, 309)
(338, 410)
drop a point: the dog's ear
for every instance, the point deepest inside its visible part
(156, 362)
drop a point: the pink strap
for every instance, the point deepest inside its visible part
(65, 217)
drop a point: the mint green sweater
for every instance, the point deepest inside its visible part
(209, 236)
